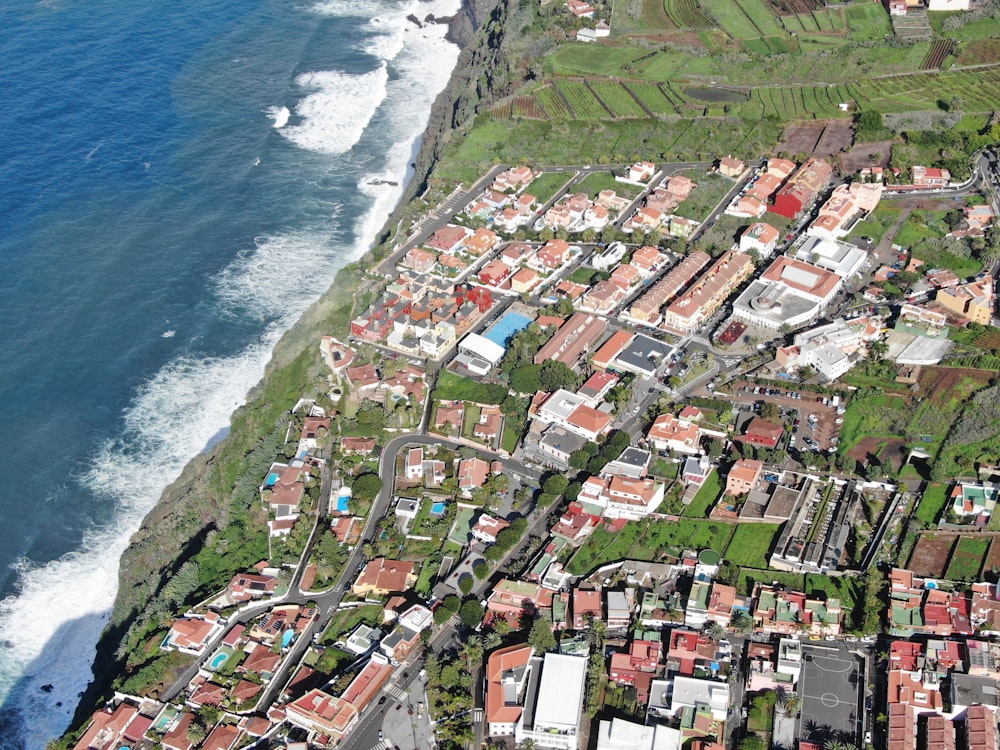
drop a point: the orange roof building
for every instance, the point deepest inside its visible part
(381, 577)
(507, 673)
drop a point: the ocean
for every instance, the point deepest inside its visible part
(178, 182)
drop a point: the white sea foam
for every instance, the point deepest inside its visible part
(336, 113)
(65, 603)
(280, 116)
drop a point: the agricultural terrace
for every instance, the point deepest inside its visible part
(956, 557)
(885, 419)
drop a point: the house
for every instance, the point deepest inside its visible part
(420, 260)
(323, 714)
(357, 446)
(487, 528)
(190, 635)
(762, 432)
(648, 259)
(381, 577)
(524, 280)
(580, 9)
(641, 171)
(471, 475)
(761, 237)
(975, 500)
(691, 692)
(246, 586)
(931, 177)
(108, 727)
(636, 667)
(490, 424)
(552, 255)
(802, 188)
(743, 476)
(223, 737)
(668, 433)
(747, 206)
(513, 600)
(730, 167)
(587, 607)
(176, 738)
(513, 179)
(973, 300)
(507, 672)
(696, 470)
(450, 415)
(448, 239)
(494, 273)
(413, 469)
(647, 307)
(369, 683)
(611, 348)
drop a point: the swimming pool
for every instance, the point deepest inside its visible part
(438, 508)
(218, 660)
(504, 329)
(272, 479)
(286, 638)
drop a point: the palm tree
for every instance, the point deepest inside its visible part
(742, 622)
(715, 631)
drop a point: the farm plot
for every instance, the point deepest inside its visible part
(930, 555)
(582, 101)
(553, 103)
(838, 136)
(617, 99)
(794, 7)
(937, 53)
(967, 558)
(801, 139)
(687, 14)
(761, 16)
(654, 98)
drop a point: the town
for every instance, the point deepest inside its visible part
(625, 456)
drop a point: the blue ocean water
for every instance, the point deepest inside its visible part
(178, 181)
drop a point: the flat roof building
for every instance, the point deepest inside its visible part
(554, 704)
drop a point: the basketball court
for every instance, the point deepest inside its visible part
(830, 686)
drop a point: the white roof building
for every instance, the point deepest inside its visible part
(620, 734)
(690, 691)
(554, 704)
(841, 258)
(481, 354)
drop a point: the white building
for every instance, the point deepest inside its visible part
(789, 293)
(841, 258)
(620, 734)
(478, 354)
(557, 704)
(690, 691)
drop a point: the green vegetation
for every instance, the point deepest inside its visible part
(452, 387)
(342, 623)
(595, 182)
(751, 544)
(967, 558)
(931, 504)
(706, 497)
(545, 186)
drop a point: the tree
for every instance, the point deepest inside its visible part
(471, 613)
(555, 484)
(752, 742)
(541, 637)
(481, 570)
(451, 603)
(742, 622)
(465, 584)
(715, 631)
(769, 410)
(366, 487)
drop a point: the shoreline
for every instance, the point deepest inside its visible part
(176, 526)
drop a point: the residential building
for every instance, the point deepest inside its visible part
(691, 692)
(708, 292)
(647, 307)
(779, 611)
(471, 475)
(761, 237)
(487, 527)
(587, 606)
(932, 176)
(973, 300)
(574, 339)
(190, 635)
(507, 672)
(382, 577)
(743, 476)
(321, 713)
(731, 167)
(761, 432)
(975, 500)
(802, 188)
(513, 600)
(556, 701)
(637, 666)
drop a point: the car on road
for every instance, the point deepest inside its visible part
(381, 734)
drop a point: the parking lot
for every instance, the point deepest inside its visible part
(830, 687)
(824, 429)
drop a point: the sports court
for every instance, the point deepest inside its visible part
(829, 686)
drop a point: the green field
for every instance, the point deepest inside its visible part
(706, 497)
(932, 503)
(547, 184)
(751, 544)
(967, 558)
(595, 182)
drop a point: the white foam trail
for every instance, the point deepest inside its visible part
(335, 115)
(295, 266)
(280, 116)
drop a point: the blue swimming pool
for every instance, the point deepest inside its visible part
(218, 660)
(342, 502)
(504, 329)
(286, 638)
(272, 479)
(438, 508)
